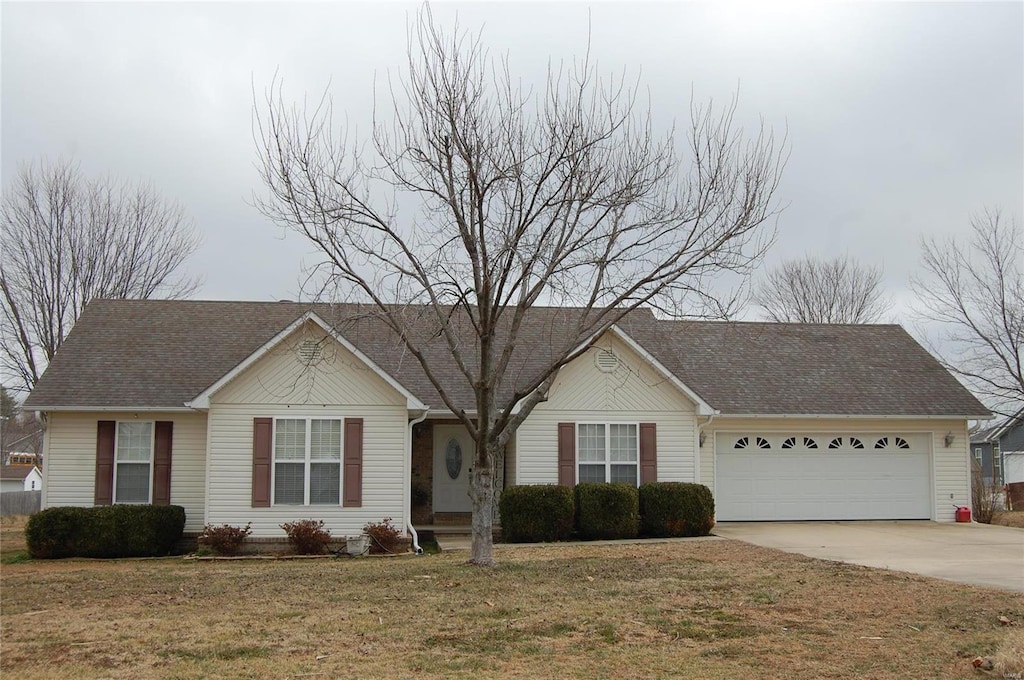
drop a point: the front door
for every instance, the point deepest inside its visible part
(453, 463)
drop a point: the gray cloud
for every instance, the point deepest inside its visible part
(902, 118)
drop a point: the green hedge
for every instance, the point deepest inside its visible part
(607, 511)
(105, 531)
(530, 514)
(676, 509)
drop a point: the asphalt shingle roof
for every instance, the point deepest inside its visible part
(163, 353)
(19, 472)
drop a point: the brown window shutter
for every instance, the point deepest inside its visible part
(262, 434)
(105, 433)
(162, 463)
(352, 494)
(567, 454)
(648, 452)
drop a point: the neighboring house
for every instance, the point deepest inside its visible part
(23, 458)
(999, 450)
(20, 478)
(271, 412)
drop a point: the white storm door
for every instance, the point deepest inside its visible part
(453, 462)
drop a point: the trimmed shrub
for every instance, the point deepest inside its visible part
(225, 539)
(676, 509)
(384, 537)
(307, 536)
(607, 511)
(105, 531)
(535, 513)
(52, 533)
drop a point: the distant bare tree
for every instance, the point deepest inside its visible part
(67, 239)
(480, 199)
(974, 292)
(812, 290)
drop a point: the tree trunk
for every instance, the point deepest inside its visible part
(482, 494)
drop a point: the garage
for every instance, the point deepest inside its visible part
(822, 476)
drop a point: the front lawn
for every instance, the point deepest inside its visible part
(701, 608)
(1009, 518)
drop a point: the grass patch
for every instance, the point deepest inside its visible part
(711, 609)
(16, 557)
(219, 653)
(1009, 518)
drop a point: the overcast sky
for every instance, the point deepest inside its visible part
(902, 118)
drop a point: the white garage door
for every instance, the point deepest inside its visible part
(822, 476)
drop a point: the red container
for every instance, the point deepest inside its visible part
(963, 514)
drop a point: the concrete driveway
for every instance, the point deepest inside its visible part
(979, 554)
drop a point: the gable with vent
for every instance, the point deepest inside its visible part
(308, 366)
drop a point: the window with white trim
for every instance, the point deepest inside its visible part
(307, 461)
(608, 452)
(977, 453)
(133, 462)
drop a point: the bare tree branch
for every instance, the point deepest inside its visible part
(66, 240)
(974, 293)
(479, 199)
(812, 290)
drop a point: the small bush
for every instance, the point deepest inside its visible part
(53, 533)
(985, 498)
(384, 537)
(105, 531)
(531, 514)
(225, 539)
(607, 511)
(307, 536)
(676, 509)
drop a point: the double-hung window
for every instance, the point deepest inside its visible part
(307, 461)
(608, 452)
(133, 462)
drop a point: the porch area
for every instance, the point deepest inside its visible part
(442, 460)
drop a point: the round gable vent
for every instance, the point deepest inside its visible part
(606, 360)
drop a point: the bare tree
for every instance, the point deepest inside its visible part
(67, 239)
(479, 199)
(812, 290)
(974, 293)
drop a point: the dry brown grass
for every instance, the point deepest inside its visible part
(707, 609)
(1009, 518)
(12, 534)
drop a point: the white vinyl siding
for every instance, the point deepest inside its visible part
(288, 374)
(70, 454)
(230, 469)
(285, 385)
(586, 392)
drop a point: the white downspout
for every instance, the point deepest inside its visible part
(408, 484)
